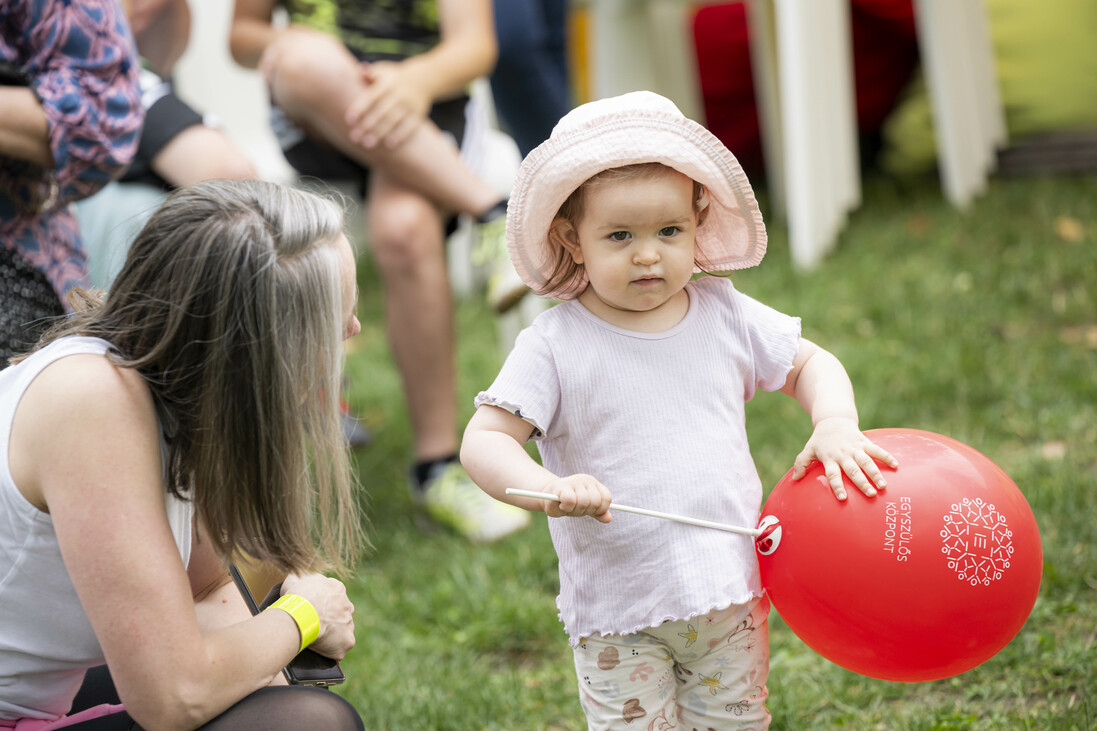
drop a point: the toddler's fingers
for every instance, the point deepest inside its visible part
(800, 466)
(879, 453)
(872, 469)
(834, 477)
(586, 500)
(599, 498)
(853, 470)
(567, 502)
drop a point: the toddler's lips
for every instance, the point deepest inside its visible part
(647, 280)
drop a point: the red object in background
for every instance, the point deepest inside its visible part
(926, 580)
(727, 87)
(885, 52)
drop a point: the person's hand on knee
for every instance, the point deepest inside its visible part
(394, 103)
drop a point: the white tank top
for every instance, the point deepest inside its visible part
(46, 640)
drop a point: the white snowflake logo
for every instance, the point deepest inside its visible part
(977, 542)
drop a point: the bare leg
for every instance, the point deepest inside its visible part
(316, 80)
(408, 240)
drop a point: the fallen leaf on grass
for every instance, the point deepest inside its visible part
(1054, 450)
(1079, 335)
(918, 225)
(1069, 229)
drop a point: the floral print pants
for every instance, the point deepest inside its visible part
(706, 672)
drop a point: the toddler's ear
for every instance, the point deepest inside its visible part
(702, 205)
(563, 234)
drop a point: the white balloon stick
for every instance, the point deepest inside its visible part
(649, 513)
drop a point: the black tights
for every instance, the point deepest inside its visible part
(282, 708)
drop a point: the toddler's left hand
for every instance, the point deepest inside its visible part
(841, 447)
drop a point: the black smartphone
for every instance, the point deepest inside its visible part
(308, 668)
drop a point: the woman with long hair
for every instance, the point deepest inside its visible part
(186, 420)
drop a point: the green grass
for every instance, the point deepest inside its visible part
(981, 325)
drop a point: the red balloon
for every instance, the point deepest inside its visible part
(927, 580)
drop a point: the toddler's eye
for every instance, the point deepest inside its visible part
(668, 231)
(619, 236)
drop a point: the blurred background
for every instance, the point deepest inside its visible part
(897, 86)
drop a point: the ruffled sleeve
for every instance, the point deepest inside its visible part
(528, 384)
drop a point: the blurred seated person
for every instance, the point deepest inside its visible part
(69, 120)
(376, 94)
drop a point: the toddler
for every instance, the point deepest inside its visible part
(634, 388)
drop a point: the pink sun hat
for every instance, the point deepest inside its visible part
(637, 127)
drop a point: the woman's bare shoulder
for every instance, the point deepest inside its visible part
(81, 409)
(88, 380)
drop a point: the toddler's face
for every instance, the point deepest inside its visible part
(636, 242)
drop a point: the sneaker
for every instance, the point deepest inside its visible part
(451, 498)
(505, 288)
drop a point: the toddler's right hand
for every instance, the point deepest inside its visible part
(329, 597)
(579, 495)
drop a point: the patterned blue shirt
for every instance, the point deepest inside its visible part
(82, 64)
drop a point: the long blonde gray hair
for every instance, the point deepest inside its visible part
(230, 306)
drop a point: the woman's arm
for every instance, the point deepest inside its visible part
(492, 452)
(822, 387)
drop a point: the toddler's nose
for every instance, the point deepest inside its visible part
(646, 253)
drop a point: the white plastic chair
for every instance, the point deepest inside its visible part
(646, 44)
(804, 80)
(802, 61)
(802, 51)
(968, 121)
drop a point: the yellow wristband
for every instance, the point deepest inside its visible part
(303, 613)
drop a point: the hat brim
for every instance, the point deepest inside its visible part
(732, 236)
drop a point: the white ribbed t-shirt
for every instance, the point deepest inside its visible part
(659, 419)
(46, 640)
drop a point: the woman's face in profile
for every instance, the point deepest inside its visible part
(349, 279)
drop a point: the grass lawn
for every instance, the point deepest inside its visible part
(980, 325)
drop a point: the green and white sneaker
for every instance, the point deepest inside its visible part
(505, 288)
(450, 497)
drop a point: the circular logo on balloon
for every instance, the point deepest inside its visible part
(976, 542)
